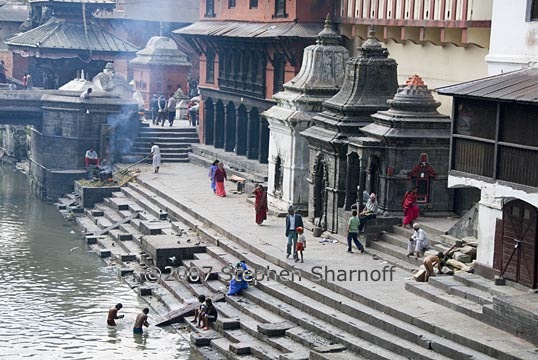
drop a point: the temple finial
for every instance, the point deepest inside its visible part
(328, 22)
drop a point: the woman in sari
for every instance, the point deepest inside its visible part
(410, 208)
(220, 177)
(260, 205)
(238, 282)
(211, 175)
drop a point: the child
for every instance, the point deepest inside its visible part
(301, 243)
(200, 311)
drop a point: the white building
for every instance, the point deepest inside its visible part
(321, 76)
(514, 35)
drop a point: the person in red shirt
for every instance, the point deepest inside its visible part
(220, 176)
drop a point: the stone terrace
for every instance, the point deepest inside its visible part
(385, 305)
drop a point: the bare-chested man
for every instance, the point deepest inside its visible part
(113, 315)
(430, 261)
(141, 320)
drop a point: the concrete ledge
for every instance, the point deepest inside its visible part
(228, 324)
(294, 356)
(329, 348)
(240, 348)
(104, 253)
(275, 329)
(128, 257)
(125, 271)
(145, 291)
(202, 339)
(90, 239)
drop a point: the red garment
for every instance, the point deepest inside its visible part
(260, 205)
(410, 208)
(299, 247)
(220, 191)
(220, 175)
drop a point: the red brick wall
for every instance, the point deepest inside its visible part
(164, 81)
(301, 10)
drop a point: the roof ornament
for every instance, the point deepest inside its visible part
(328, 36)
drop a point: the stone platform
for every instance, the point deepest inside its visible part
(163, 247)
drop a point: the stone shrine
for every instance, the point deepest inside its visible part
(370, 80)
(320, 77)
(407, 145)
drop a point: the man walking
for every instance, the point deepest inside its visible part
(162, 110)
(154, 107)
(156, 155)
(293, 221)
(353, 232)
(171, 106)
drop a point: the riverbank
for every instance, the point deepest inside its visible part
(56, 295)
(324, 304)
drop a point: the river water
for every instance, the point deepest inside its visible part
(55, 296)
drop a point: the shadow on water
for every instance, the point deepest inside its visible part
(56, 296)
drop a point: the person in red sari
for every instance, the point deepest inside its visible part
(260, 205)
(410, 208)
(220, 177)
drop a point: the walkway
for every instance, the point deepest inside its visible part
(189, 185)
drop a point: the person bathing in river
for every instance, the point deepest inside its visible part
(141, 320)
(113, 314)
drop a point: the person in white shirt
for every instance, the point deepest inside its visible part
(86, 94)
(418, 242)
(91, 157)
(156, 155)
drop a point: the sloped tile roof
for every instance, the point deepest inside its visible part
(64, 35)
(520, 85)
(252, 30)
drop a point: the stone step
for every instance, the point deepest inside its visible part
(401, 241)
(480, 283)
(222, 346)
(433, 233)
(323, 327)
(250, 325)
(439, 296)
(456, 288)
(87, 225)
(396, 252)
(258, 349)
(243, 249)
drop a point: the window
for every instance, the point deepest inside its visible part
(231, 4)
(476, 118)
(280, 8)
(279, 65)
(210, 67)
(253, 4)
(209, 8)
(532, 10)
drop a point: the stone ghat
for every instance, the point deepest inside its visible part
(275, 319)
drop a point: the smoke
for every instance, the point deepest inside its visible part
(122, 131)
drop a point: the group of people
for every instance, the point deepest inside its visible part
(161, 109)
(205, 313)
(141, 319)
(217, 176)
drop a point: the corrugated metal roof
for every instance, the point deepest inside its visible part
(252, 30)
(59, 34)
(14, 13)
(520, 85)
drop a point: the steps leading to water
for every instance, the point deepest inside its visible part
(174, 142)
(321, 314)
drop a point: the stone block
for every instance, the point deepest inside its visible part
(151, 228)
(163, 216)
(201, 339)
(420, 276)
(97, 213)
(240, 348)
(228, 324)
(144, 291)
(295, 356)
(125, 271)
(164, 247)
(499, 280)
(461, 257)
(128, 257)
(469, 250)
(430, 252)
(275, 329)
(125, 237)
(90, 239)
(329, 348)
(104, 253)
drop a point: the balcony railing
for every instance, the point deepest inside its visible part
(427, 13)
